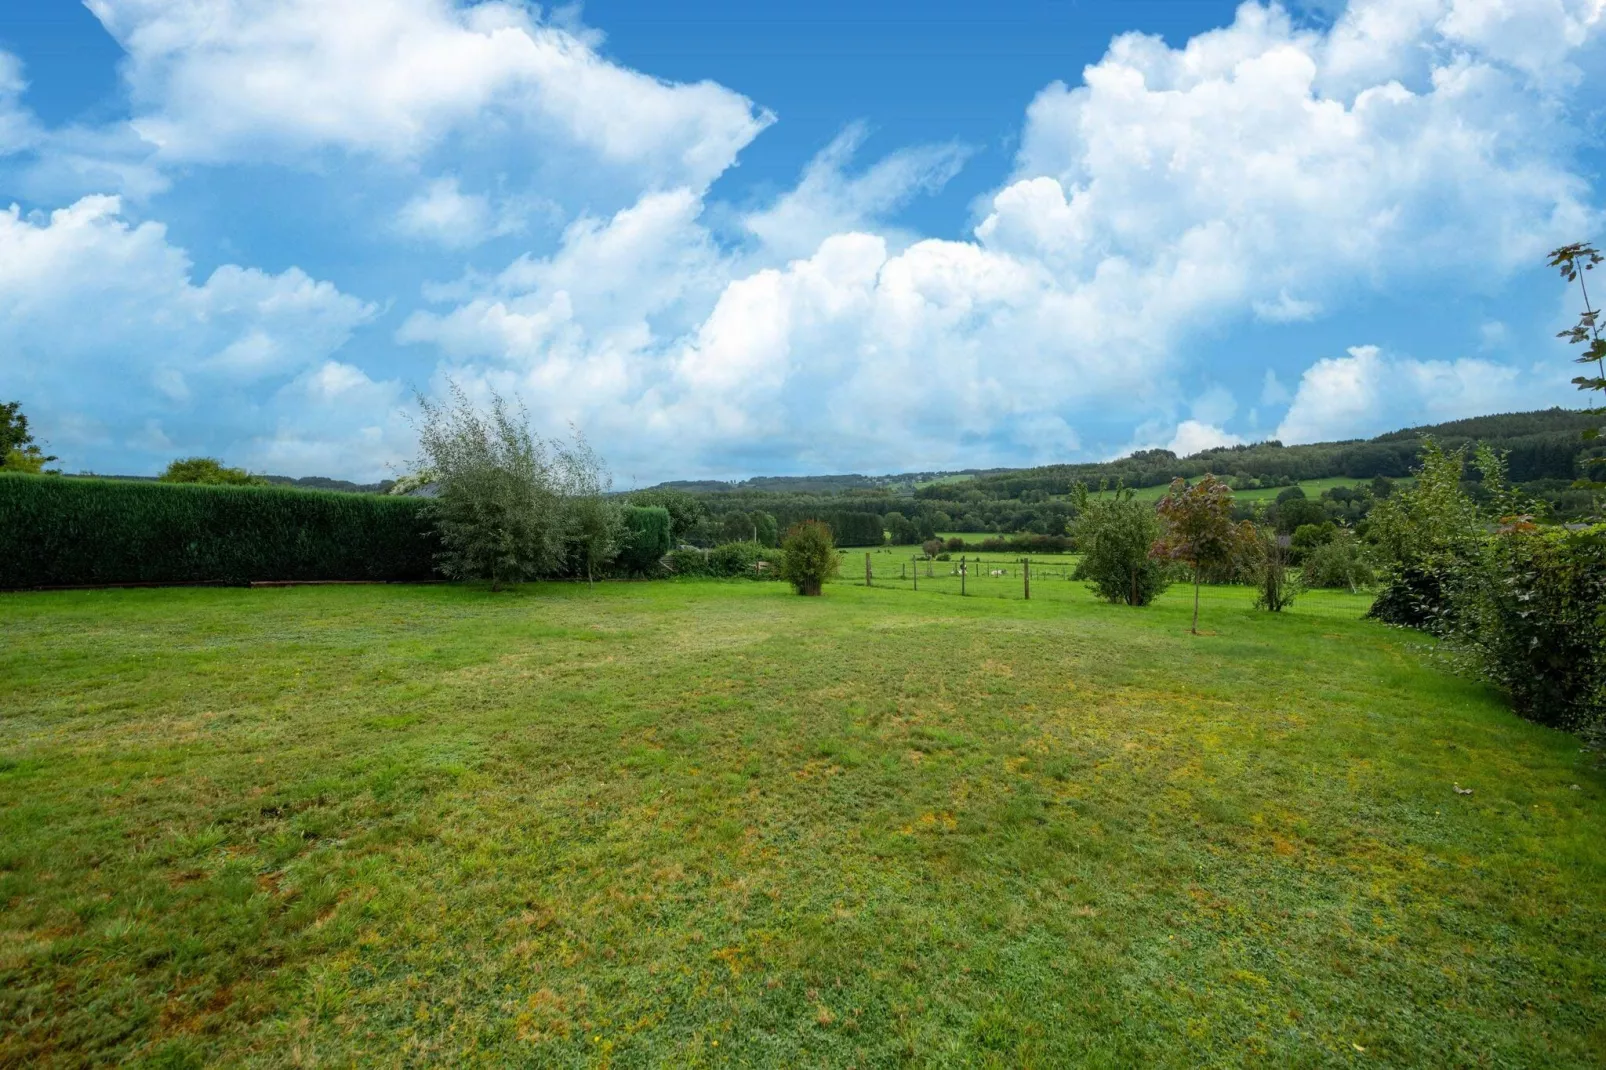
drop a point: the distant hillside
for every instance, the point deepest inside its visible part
(1544, 445)
(1544, 449)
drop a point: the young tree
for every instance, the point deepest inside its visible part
(931, 547)
(811, 557)
(208, 470)
(1197, 529)
(595, 525)
(1574, 261)
(1422, 534)
(1113, 535)
(498, 507)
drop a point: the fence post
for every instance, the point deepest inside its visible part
(1028, 574)
(917, 575)
(961, 574)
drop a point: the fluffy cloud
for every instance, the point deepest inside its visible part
(95, 307)
(829, 201)
(1366, 393)
(217, 80)
(1261, 170)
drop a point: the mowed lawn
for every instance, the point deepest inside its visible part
(702, 823)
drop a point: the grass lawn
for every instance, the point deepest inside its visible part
(701, 823)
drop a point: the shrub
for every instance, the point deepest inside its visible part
(1115, 535)
(745, 559)
(931, 547)
(499, 504)
(687, 562)
(1531, 619)
(77, 532)
(1339, 562)
(646, 539)
(955, 544)
(811, 557)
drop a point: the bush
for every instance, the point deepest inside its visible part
(1531, 619)
(1115, 535)
(646, 540)
(62, 532)
(687, 562)
(811, 557)
(1338, 562)
(955, 544)
(745, 559)
(499, 507)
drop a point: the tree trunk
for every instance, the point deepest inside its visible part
(1195, 600)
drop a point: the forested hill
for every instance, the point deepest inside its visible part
(1545, 453)
(1543, 445)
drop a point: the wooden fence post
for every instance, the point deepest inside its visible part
(961, 574)
(1028, 574)
(867, 568)
(917, 575)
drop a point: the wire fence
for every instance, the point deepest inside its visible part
(983, 575)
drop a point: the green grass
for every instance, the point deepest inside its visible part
(1313, 488)
(703, 823)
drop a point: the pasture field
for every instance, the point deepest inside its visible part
(701, 823)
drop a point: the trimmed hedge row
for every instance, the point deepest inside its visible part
(59, 532)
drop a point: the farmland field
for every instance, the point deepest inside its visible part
(705, 823)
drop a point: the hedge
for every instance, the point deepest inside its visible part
(646, 539)
(59, 532)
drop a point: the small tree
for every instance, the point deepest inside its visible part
(1574, 261)
(1422, 534)
(931, 547)
(811, 557)
(208, 470)
(498, 506)
(1113, 535)
(596, 527)
(1197, 529)
(1277, 584)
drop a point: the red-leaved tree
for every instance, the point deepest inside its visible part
(1197, 528)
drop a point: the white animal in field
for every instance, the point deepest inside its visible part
(997, 572)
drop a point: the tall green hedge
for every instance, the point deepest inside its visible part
(646, 539)
(57, 531)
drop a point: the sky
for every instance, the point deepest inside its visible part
(730, 238)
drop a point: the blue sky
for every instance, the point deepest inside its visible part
(731, 238)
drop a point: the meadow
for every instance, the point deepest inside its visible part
(707, 823)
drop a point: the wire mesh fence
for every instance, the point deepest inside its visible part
(978, 575)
